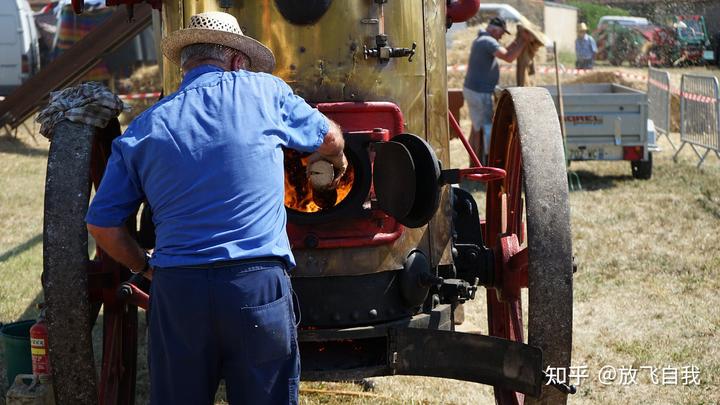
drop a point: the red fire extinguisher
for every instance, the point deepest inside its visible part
(39, 346)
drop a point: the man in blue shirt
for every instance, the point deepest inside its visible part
(585, 48)
(483, 74)
(208, 159)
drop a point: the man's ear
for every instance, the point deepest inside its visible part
(238, 62)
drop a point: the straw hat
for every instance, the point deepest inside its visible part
(218, 28)
(582, 27)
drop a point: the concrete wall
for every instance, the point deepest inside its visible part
(560, 25)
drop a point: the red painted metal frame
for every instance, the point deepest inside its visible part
(505, 234)
(378, 228)
(120, 324)
(365, 116)
(458, 131)
(478, 172)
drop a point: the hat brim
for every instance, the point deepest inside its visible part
(261, 57)
(502, 28)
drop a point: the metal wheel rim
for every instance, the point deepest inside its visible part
(526, 142)
(76, 161)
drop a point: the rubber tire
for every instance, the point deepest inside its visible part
(642, 169)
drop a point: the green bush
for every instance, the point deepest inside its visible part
(591, 13)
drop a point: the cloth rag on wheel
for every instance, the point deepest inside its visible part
(91, 103)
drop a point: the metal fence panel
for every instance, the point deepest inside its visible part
(700, 114)
(659, 101)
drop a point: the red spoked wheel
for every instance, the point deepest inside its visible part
(528, 229)
(75, 287)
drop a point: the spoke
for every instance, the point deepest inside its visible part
(518, 265)
(503, 213)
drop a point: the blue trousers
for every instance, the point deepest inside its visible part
(226, 321)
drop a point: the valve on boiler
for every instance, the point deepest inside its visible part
(384, 52)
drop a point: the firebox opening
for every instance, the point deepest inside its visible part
(299, 194)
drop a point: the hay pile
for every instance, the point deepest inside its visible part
(146, 79)
(607, 77)
(674, 112)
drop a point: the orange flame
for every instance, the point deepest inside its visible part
(299, 194)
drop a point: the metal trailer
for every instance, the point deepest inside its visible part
(606, 121)
(382, 273)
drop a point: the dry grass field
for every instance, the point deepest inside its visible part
(646, 292)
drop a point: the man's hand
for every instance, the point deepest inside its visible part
(332, 151)
(118, 243)
(513, 50)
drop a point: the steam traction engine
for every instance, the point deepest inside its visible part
(383, 264)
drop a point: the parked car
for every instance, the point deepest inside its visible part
(624, 21)
(19, 51)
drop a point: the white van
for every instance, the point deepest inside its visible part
(19, 49)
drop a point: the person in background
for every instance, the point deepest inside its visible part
(585, 48)
(483, 74)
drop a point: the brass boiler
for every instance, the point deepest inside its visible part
(324, 62)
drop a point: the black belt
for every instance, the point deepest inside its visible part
(238, 262)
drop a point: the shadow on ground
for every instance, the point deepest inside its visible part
(593, 182)
(21, 248)
(12, 145)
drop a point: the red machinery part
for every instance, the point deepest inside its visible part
(462, 10)
(39, 347)
(381, 121)
(478, 172)
(78, 6)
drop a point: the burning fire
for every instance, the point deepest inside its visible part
(299, 194)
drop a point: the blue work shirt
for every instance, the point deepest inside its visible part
(209, 162)
(483, 72)
(585, 48)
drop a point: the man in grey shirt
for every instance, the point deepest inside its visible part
(483, 74)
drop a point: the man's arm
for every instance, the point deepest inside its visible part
(512, 51)
(118, 243)
(333, 143)
(332, 150)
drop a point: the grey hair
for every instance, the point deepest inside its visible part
(216, 52)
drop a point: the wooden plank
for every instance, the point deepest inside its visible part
(72, 64)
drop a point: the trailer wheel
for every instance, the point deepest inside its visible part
(528, 228)
(75, 287)
(642, 169)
